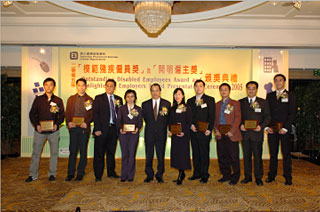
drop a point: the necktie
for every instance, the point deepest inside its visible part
(155, 111)
(250, 102)
(113, 111)
(278, 96)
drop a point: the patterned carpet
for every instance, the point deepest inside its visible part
(112, 195)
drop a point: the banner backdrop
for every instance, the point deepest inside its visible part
(138, 68)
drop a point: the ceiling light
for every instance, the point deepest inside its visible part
(7, 3)
(297, 4)
(42, 51)
(153, 15)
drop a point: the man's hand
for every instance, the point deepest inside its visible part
(135, 132)
(242, 128)
(71, 125)
(55, 127)
(193, 128)
(39, 129)
(98, 133)
(83, 125)
(169, 133)
(181, 134)
(258, 128)
(269, 130)
(207, 132)
(282, 131)
(229, 134)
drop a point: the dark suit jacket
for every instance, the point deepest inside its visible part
(101, 112)
(248, 113)
(155, 128)
(123, 118)
(283, 112)
(234, 119)
(185, 118)
(70, 110)
(206, 114)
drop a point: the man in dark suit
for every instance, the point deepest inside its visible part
(105, 108)
(253, 108)
(283, 111)
(203, 109)
(155, 112)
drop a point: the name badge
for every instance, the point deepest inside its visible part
(227, 111)
(204, 105)
(284, 100)
(53, 104)
(257, 110)
(130, 116)
(89, 107)
(178, 111)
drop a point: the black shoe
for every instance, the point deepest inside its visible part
(222, 180)
(204, 180)
(114, 176)
(98, 179)
(122, 180)
(79, 178)
(193, 178)
(68, 178)
(181, 177)
(52, 178)
(232, 183)
(147, 180)
(159, 179)
(131, 180)
(246, 181)
(288, 182)
(270, 180)
(30, 179)
(259, 182)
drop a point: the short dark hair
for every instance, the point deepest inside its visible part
(133, 92)
(183, 101)
(199, 80)
(252, 83)
(81, 80)
(155, 84)
(112, 80)
(48, 80)
(280, 75)
(225, 84)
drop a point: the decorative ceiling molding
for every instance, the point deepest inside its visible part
(199, 16)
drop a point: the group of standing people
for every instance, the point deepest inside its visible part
(230, 120)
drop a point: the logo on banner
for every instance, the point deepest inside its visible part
(270, 65)
(37, 90)
(73, 55)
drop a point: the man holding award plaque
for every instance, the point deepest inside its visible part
(203, 117)
(228, 134)
(105, 107)
(79, 115)
(155, 112)
(46, 115)
(255, 116)
(283, 111)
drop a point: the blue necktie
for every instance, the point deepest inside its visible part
(113, 111)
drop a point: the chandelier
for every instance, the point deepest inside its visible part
(153, 15)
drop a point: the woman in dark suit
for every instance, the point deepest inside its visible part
(129, 114)
(180, 147)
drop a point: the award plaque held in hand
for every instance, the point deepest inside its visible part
(250, 124)
(78, 120)
(46, 125)
(175, 129)
(224, 128)
(202, 126)
(275, 126)
(128, 127)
